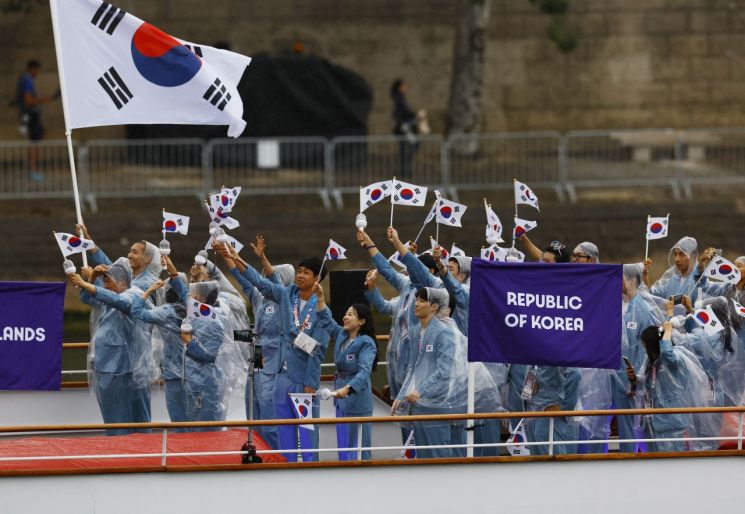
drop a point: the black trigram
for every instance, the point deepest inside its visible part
(107, 17)
(196, 49)
(115, 87)
(217, 92)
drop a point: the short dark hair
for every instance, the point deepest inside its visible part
(559, 250)
(314, 265)
(428, 261)
(33, 63)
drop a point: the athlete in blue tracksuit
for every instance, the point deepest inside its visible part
(354, 357)
(300, 371)
(114, 359)
(683, 273)
(555, 389)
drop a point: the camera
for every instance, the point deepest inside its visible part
(677, 299)
(254, 350)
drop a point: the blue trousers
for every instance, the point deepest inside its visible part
(488, 431)
(115, 394)
(203, 403)
(347, 435)
(264, 406)
(289, 435)
(430, 433)
(538, 430)
(176, 401)
(626, 429)
(672, 446)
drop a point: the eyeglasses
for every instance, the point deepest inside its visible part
(578, 256)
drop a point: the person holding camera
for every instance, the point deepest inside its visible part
(355, 357)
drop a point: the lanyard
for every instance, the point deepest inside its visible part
(309, 306)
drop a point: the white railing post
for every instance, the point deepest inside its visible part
(739, 430)
(551, 435)
(359, 441)
(164, 450)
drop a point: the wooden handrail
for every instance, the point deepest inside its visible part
(370, 419)
(84, 345)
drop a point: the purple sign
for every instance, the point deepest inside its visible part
(545, 314)
(31, 335)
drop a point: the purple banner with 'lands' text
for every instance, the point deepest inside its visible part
(31, 335)
(545, 314)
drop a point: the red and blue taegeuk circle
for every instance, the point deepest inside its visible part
(74, 242)
(656, 228)
(702, 317)
(725, 269)
(376, 194)
(446, 212)
(161, 59)
(407, 194)
(303, 410)
(170, 226)
(204, 310)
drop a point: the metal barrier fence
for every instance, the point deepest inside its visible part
(679, 159)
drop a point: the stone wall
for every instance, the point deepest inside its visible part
(638, 63)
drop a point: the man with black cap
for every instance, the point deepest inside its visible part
(302, 347)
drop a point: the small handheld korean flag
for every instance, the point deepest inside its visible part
(70, 244)
(450, 213)
(456, 252)
(657, 227)
(522, 227)
(408, 194)
(708, 320)
(433, 244)
(303, 405)
(222, 218)
(335, 251)
(234, 192)
(525, 196)
(195, 309)
(116, 69)
(723, 270)
(739, 308)
(494, 253)
(408, 451)
(517, 440)
(493, 226)
(374, 193)
(229, 239)
(222, 202)
(175, 223)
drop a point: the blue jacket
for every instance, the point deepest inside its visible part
(301, 368)
(462, 295)
(267, 326)
(667, 389)
(556, 386)
(354, 360)
(207, 338)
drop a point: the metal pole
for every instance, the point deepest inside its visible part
(471, 407)
(551, 436)
(165, 447)
(739, 431)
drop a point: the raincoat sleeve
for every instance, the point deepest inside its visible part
(394, 278)
(99, 257)
(142, 311)
(251, 277)
(87, 298)
(205, 347)
(456, 289)
(380, 304)
(418, 272)
(329, 325)
(668, 355)
(179, 285)
(365, 362)
(118, 301)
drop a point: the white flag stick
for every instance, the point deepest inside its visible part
(393, 191)
(513, 196)
(68, 132)
(437, 231)
(320, 272)
(646, 236)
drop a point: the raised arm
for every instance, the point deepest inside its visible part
(418, 273)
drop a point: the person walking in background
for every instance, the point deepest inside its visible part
(29, 105)
(404, 124)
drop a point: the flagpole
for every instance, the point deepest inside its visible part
(425, 222)
(437, 232)
(646, 236)
(164, 227)
(68, 132)
(516, 215)
(393, 185)
(320, 272)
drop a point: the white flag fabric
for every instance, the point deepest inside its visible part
(450, 213)
(233, 192)
(116, 69)
(70, 244)
(494, 253)
(408, 452)
(396, 259)
(708, 320)
(739, 308)
(493, 226)
(456, 252)
(222, 201)
(222, 218)
(195, 309)
(525, 196)
(335, 251)
(303, 404)
(517, 440)
(175, 223)
(374, 193)
(522, 227)
(657, 227)
(721, 269)
(231, 241)
(408, 194)
(433, 210)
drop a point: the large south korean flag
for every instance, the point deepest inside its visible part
(116, 69)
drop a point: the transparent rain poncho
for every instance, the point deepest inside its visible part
(673, 282)
(229, 361)
(230, 298)
(153, 252)
(590, 249)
